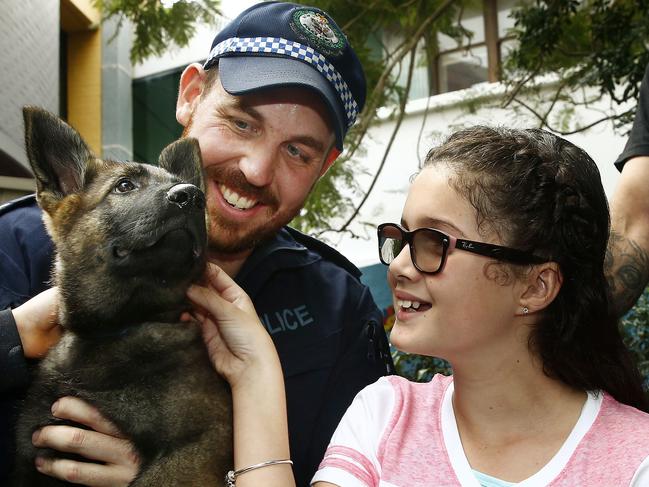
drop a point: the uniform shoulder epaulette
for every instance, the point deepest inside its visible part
(22, 202)
(325, 251)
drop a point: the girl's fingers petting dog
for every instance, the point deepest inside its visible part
(225, 286)
(235, 338)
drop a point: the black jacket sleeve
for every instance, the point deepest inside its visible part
(12, 360)
(14, 378)
(638, 142)
(25, 259)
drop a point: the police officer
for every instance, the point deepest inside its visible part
(270, 109)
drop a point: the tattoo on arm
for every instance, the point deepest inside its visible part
(627, 269)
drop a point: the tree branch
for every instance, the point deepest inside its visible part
(348, 25)
(375, 96)
(553, 103)
(569, 132)
(517, 87)
(402, 112)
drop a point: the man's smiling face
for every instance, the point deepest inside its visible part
(262, 154)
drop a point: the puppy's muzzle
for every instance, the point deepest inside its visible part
(186, 195)
(160, 239)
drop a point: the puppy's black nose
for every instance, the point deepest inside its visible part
(184, 195)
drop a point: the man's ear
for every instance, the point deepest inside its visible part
(543, 283)
(58, 155)
(191, 87)
(183, 158)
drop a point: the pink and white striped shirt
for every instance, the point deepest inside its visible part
(398, 433)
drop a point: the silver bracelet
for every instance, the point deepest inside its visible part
(231, 476)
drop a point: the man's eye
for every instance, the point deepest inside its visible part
(242, 124)
(125, 185)
(294, 151)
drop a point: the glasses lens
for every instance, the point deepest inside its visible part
(390, 243)
(428, 247)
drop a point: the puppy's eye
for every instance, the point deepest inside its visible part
(124, 186)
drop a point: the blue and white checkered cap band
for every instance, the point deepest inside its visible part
(284, 47)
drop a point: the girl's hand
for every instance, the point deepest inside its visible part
(237, 342)
(243, 352)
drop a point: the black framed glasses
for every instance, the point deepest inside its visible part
(429, 248)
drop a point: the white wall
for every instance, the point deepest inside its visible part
(445, 115)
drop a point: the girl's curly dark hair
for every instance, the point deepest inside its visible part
(542, 194)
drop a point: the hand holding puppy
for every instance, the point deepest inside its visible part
(37, 323)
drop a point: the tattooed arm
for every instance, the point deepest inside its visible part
(627, 258)
(627, 271)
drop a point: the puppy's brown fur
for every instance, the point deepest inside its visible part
(129, 238)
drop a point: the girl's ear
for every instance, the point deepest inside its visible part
(191, 87)
(543, 284)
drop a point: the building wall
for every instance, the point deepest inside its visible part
(11, 188)
(198, 47)
(84, 86)
(57, 54)
(116, 98)
(29, 67)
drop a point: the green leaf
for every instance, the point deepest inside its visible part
(158, 27)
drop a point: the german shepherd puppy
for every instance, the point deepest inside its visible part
(129, 238)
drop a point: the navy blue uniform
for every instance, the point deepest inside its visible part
(323, 321)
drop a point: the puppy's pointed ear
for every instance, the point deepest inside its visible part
(57, 153)
(183, 158)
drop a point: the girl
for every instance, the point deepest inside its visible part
(497, 267)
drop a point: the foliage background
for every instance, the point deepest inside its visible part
(635, 331)
(158, 25)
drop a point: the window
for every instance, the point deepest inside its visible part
(154, 114)
(457, 66)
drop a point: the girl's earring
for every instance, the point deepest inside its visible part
(525, 310)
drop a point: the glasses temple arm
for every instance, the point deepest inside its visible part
(496, 251)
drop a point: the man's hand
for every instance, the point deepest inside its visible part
(627, 257)
(36, 321)
(116, 462)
